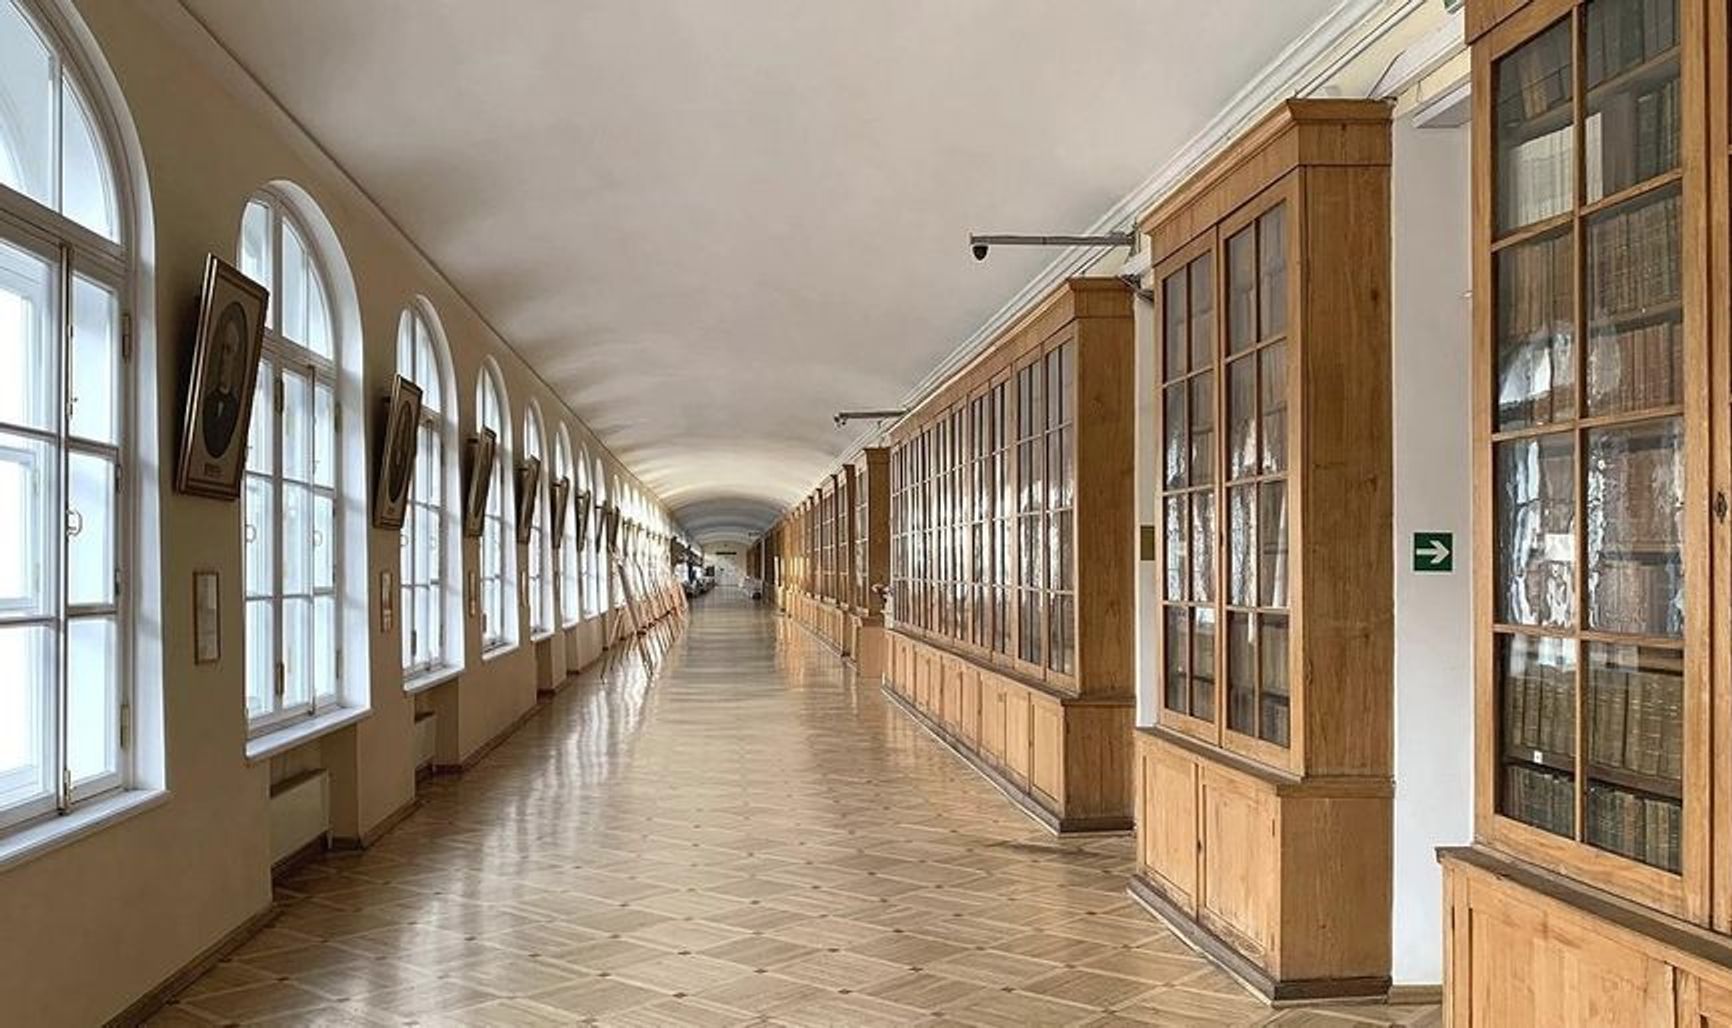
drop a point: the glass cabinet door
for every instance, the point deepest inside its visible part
(1587, 432)
(1187, 358)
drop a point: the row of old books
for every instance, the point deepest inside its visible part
(1636, 721)
(1536, 381)
(1539, 709)
(1540, 798)
(1627, 33)
(1639, 484)
(1633, 137)
(1636, 259)
(1537, 78)
(1638, 596)
(1635, 369)
(1639, 827)
(1539, 178)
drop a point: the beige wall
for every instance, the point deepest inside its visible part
(89, 927)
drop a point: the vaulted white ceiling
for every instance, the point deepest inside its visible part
(711, 224)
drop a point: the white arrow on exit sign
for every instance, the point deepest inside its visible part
(1436, 553)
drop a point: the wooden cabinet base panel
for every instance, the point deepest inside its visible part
(1524, 945)
(1054, 821)
(869, 646)
(1249, 973)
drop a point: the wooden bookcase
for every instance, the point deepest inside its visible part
(1012, 540)
(833, 546)
(1603, 157)
(871, 568)
(1264, 786)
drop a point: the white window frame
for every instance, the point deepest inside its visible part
(568, 578)
(537, 583)
(418, 330)
(283, 356)
(498, 593)
(70, 249)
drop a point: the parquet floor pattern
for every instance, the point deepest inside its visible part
(749, 836)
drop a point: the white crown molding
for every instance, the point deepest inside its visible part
(1303, 68)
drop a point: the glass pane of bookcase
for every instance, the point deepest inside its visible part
(1203, 663)
(1633, 519)
(1635, 740)
(1176, 429)
(1272, 273)
(1272, 375)
(1177, 533)
(1176, 642)
(1272, 544)
(1202, 403)
(1274, 720)
(1536, 362)
(1242, 289)
(1202, 280)
(1534, 127)
(1242, 546)
(1535, 515)
(1203, 547)
(1175, 345)
(1632, 119)
(1241, 418)
(1634, 303)
(1241, 673)
(1536, 682)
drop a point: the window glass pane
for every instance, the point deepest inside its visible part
(1241, 674)
(1634, 111)
(297, 530)
(297, 423)
(1202, 402)
(27, 83)
(90, 529)
(95, 399)
(261, 657)
(324, 655)
(1534, 494)
(1242, 290)
(262, 433)
(1273, 362)
(324, 555)
(256, 257)
(1537, 696)
(1242, 546)
(1636, 318)
(26, 712)
(1533, 121)
(298, 651)
(1173, 316)
(324, 430)
(1272, 272)
(1635, 737)
(92, 698)
(1202, 275)
(29, 346)
(258, 536)
(1272, 544)
(1634, 521)
(292, 321)
(1275, 721)
(1242, 418)
(86, 186)
(30, 524)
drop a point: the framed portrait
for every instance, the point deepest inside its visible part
(480, 453)
(613, 523)
(560, 497)
(219, 393)
(397, 454)
(528, 484)
(580, 510)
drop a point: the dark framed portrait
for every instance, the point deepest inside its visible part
(397, 450)
(479, 453)
(559, 498)
(580, 510)
(219, 394)
(528, 483)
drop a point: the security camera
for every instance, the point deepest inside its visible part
(979, 251)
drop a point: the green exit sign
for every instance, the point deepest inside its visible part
(1434, 552)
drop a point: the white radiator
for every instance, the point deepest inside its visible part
(300, 813)
(426, 731)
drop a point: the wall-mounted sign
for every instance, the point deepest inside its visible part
(1434, 552)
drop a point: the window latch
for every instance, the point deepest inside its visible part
(1720, 505)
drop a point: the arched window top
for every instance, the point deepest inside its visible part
(422, 354)
(276, 251)
(583, 469)
(532, 435)
(50, 149)
(561, 453)
(491, 405)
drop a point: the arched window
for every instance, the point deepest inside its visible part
(538, 585)
(595, 544)
(292, 529)
(426, 574)
(498, 545)
(67, 443)
(570, 608)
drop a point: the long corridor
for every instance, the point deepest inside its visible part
(748, 835)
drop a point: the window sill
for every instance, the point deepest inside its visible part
(300, 733)
(426, 680)
(540, 637)
(498, 651)
(31, 842)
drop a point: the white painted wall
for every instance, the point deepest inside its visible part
(729, 569)
(1433, 492)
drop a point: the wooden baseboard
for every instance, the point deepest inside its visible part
(300, 858)
(1013, 791)
(1415, 995)
(147, 1005)
(480, 752)
(1274, 992)
(378, 831)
